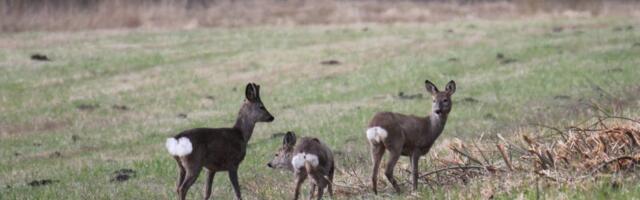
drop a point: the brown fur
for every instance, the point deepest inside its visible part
(221, 149)
(409, 135)
(321, 175)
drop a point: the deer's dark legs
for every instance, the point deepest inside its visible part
(233, 177)
(376, 156)
(391, 164)
(191, 176)
(312, 191)
(415, 159)
(300, 177)
(321, 186)
(207, 189)
(330, 176)
(181, 174)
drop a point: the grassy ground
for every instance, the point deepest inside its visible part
(159, 75)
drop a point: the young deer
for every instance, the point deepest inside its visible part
(217, 149)
(407, 135)
(309, 157)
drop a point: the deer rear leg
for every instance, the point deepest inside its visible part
(181, 174)
(320, 192)
(391, 164)
(330, 180)
(207, 192)
(312, 192)
(377, 150)
(191, 176)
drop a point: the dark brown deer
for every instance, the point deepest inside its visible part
(217, 149)
(407, 135)
(309, 157)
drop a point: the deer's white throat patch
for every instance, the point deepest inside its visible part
(376, 134)
(299, 160)
(179, 147)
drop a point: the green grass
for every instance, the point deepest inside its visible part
(159, 74)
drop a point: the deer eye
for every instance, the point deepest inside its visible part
(446, 100)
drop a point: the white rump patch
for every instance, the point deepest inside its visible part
(180, 147)
(299, 160)
(376, 134)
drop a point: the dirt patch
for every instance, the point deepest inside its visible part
(37, 125)
(87, 107)
(470, 100)
(330, 62)
(123, 175)
(402, 95)
(43, 182)
(120, 107)
(40, 57)
(504, 60)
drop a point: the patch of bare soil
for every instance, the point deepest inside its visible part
(36, 125)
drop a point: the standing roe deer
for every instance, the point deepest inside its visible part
(407, 135)
(217, 149)
(309, 157)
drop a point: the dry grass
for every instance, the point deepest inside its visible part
(45, 15)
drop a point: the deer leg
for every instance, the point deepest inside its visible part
(376, 156)
(391, 164)
(190, 178)
(322, 183)
(415, 158)
(233, 177)
(300, 177)
(181, 174)
(312, 191)
(207, 191)
(331, 182)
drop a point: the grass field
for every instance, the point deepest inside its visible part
(108, 98)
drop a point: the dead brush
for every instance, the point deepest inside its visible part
(610, 145)
(601, 147)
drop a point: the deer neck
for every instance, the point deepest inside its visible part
(245, 125)
(436, 123)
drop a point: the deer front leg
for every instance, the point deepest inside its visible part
(415, 158)
(207, 192)
(300, 177)
(233, 177)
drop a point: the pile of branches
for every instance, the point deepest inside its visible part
(610, 145)
(599, 148)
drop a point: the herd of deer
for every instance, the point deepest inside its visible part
(223, 149)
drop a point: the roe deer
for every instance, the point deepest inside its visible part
(309, 157)
(407, 135)
(217, 149)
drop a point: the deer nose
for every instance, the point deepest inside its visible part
(270, 119)
(269, 165)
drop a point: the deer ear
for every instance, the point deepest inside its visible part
(431, 88)
(251, 92)
(451, 87)
(289, 139)
(257, 91)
